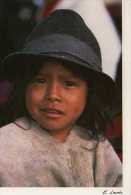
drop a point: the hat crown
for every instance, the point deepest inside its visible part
(66, 22)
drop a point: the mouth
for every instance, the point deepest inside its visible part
(52, 112)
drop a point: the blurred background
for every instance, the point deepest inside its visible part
(104, 18)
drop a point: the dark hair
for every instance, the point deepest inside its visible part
(94, 117)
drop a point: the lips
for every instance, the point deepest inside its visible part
(52, 112)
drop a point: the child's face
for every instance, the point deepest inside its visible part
(56, 97)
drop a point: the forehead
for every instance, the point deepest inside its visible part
(56, 67)
(52, 65)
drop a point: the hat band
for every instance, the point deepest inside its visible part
(59, 44)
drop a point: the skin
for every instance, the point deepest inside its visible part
(55, 98)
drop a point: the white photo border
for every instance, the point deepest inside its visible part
(126, 86)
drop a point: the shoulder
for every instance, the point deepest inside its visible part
(14, 130)
(105, 149)
(6, 129)
(108, 166)
(106, 154)
(13, 138)
(20, 123)
(102, 146)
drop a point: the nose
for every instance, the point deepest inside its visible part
(53, 92)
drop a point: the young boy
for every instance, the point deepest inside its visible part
(58, 110)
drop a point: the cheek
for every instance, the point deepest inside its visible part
(78, 101)
(32, 97)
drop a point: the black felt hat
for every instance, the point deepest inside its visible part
(63, 35)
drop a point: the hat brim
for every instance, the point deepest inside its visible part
(13, 64)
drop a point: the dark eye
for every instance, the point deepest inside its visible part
(39, 80)
(70, 83)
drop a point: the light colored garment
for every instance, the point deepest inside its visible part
(31, 157)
